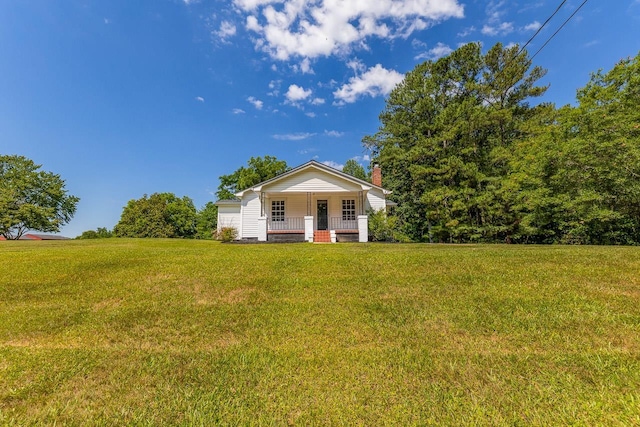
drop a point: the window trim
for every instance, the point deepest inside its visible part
(278, 210)
(349, 210)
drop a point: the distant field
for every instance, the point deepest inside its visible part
(196, 332)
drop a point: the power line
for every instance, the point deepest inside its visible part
(541, 27)
(558, 30)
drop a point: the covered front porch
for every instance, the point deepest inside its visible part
(313, 216)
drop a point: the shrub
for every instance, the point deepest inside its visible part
(100, 233)
(226, 234)
(382, 227)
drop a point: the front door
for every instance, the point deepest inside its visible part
(323, 222)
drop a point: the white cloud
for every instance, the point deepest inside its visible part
(503, 28)
(534, 26)
(333, 133)
(467, 31)
(374, 82)
(297, 93)
(356, 65)
(418, 44)
(330, 84)
(274, 85)
(256, 102)
(293, 136)
(365, 158)
(304, 67)
(333, 164)
(436, 52)
(495, 10)
(199, 98)
(227, 29)
(310, 114)
(237, 111)
(317, 101)
(310, 29)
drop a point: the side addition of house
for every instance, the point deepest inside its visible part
(312, 202)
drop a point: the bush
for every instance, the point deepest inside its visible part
(100, 233)
(382, 227)
(226, 234)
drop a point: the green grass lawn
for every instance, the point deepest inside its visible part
(198, 332)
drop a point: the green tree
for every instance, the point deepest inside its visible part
(354, 169)
(104, 233)
(158, 215)
(445, 140)
(381, 227)
(207, 221)
(258, 169)
(578, 178)
(100, 233)
(31, 199)
(88, 234)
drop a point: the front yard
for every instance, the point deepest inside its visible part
(123, 331)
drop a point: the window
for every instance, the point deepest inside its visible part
(348, 210)
(277, 210)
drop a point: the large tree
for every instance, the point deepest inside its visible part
(355, 169)
(258, 169)
(445, 138)
(31, 199)
(207, 221)
(158, 215)
(578, 175)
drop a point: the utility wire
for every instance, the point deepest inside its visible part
(558, 30)
(530, 59)
(541, 27)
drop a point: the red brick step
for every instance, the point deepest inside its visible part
(321, 236)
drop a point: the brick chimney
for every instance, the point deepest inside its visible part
(376, 175)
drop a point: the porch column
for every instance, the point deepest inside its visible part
(363, 228)
(308, 228)
(262, 228)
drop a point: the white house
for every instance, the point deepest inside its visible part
(312, 202)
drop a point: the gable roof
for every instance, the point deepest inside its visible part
(312, 164)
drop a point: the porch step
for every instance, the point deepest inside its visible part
(321, 236)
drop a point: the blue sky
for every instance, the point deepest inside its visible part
(123, 98)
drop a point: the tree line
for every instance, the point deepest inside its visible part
(470, 159)
(161, 215)
(166, 215)
(468, 156)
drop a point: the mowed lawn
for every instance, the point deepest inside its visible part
(157, 332)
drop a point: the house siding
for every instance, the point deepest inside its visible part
(294, 205)
(375, 200)
(311, 181)
(250, 214)
(229, 216)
